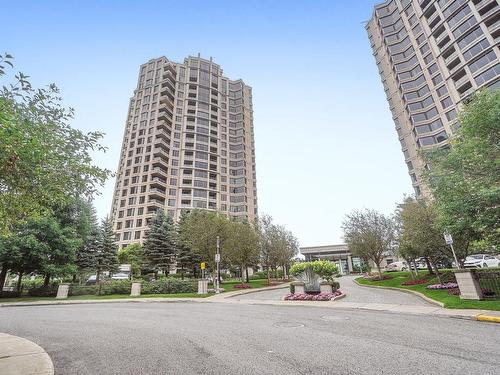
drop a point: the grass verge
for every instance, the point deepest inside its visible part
(229, 286)
(450, 301)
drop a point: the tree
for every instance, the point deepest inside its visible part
(159, 243)
(420, 234)
(106, 255)
(43, 160)
(40, 245)
(132, 254)
(465, 178)
(268, 251)
(242, 246)
(89, 232)
(186, 258)
(200, 229)
(369, 234)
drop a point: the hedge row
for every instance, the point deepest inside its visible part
(164, 286)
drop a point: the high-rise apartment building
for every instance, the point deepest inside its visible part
(188, 143)
(432, 55)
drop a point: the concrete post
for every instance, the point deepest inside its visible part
(299, 289)
(468, 285)
(202, 286)
(349, 263)
(62, 291)
(325, 288)
(135, 290)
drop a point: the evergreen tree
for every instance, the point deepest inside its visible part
(106, 256)
(86, 254)
(159, 243)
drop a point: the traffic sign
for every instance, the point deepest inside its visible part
(217, 258)
(448, 239)
(203, 265)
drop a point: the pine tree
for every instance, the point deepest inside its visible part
(87, 252)
(107, 249)
(159, 243)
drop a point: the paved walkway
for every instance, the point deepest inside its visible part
(354, 293)
(19, 356)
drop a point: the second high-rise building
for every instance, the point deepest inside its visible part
(188, 144)
(432, 55)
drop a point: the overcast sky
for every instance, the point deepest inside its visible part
(325, 140)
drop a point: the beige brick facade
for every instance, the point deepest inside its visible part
(432, 55)
(188, 143)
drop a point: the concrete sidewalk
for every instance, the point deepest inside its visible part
(19, 356)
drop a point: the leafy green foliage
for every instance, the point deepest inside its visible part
(133, 255)
(465, 179)
(323, 268)
(44, 162)
(369, 235)
(106, 255)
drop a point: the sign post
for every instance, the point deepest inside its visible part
(217, 262)
(449, 241)
(203, 266)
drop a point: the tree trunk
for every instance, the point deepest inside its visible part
(436, 271)
(379, 270)
(246, 271)
(97, 276)
(429, 266)
(268, 276)
(20, 281)
(3, 276)
(46, 281)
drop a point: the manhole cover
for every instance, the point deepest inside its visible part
(334, 317)
(288, 324)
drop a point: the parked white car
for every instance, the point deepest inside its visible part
(120, 276)
(481, 261)
(397, 266)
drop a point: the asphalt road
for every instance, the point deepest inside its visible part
(354, 293)
(224, 338)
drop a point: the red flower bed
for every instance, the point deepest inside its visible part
(414, 282)
(242, 286)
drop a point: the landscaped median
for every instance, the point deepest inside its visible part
(445, 296)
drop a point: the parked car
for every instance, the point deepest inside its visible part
(91, 280)
(421, 264)
(120, 276)
(481, 261)
(397, 266)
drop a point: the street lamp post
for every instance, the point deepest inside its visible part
(217, 262)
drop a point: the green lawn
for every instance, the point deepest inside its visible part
(451, 302)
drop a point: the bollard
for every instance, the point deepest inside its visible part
(135, 291)
(62, 291)
(202, 286)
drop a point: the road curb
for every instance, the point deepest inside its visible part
(423, 296)
(487, 318)
(236, 293)
(19, 356)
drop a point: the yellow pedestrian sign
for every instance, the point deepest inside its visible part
(203, 265)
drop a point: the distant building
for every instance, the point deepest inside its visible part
(188, 144)
(341, 255)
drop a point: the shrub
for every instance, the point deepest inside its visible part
(115, 287)
(169, 286)
(81, 290)
(9, 294)
(443, 286)
(448, 277)
(43, 291)
(360, 269)
(377, 277)
(323, 268)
